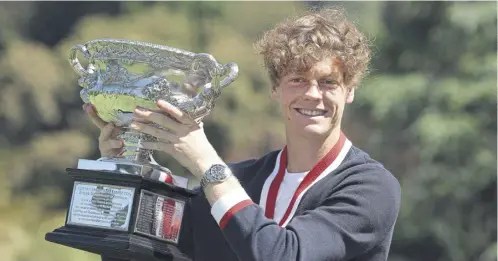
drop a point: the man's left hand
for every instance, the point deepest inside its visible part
(182, 137)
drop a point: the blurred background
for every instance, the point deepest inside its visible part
(427, 111)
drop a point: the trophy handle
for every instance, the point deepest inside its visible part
(203, 102)
(233, 72)
(73, 60)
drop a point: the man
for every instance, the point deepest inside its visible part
(319, 198)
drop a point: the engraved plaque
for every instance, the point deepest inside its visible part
(159, 216)
(101, 206)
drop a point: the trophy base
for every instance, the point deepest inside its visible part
(123, 217)
(116, 246)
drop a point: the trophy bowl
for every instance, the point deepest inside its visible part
(123, 74)
(127, 206)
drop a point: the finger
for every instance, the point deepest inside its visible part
(112, 144)
(176, 113)
(90, 110)
(158, 145)
(160, 118)
(106, 132)
(142, 120)
(153, 131)
(116, 132)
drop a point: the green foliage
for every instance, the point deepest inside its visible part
(427, 112)
(437, 129)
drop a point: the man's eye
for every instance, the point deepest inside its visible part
(331, 82)
(297, 80)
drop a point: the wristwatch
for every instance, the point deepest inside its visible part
(216, 174)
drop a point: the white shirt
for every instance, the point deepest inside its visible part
(289, 185)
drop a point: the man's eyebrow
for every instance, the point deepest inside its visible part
(294, 74)
(332, 74)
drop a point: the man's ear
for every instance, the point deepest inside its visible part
(350, 97)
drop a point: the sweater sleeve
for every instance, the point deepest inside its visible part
(354, 218)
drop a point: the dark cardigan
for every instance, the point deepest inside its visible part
(348, 215)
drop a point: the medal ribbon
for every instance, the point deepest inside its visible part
(314, 173)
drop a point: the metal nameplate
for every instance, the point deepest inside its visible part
(101, 206)
(159, 216)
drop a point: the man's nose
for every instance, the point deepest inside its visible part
(313, 91)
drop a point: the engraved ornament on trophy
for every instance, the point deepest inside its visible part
(127, 206)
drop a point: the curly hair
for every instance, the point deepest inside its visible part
(297, 44)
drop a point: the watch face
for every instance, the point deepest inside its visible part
(218, 172)
(218, 169)
(215, 174)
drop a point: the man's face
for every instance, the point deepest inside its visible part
(313, 102)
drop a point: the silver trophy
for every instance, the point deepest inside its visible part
(128, 207)
(123, 74)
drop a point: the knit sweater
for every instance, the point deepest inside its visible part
(344, 209)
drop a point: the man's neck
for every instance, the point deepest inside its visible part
(303, 153)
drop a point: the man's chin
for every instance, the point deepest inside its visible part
(314, 130)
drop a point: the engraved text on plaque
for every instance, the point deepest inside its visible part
(101, 206)
(159, 216)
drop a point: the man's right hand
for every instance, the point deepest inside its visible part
(109, 144)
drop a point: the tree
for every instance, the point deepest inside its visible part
(429, 109)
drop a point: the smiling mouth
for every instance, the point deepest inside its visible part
(311, 113)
